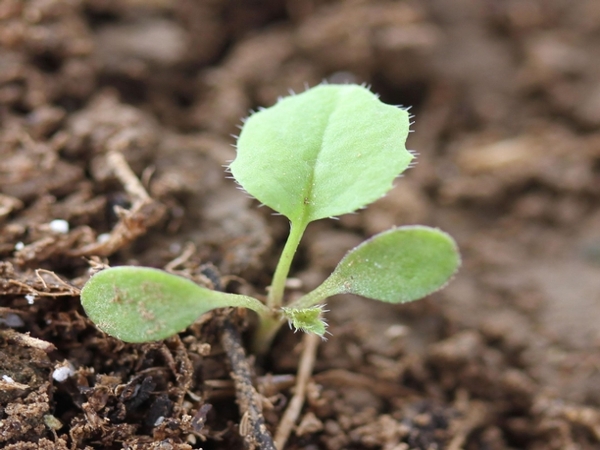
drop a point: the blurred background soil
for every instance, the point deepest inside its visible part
(506, 99)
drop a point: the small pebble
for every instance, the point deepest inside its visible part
(52, 422)
(61, 373)
(104, 237)
(59, 226)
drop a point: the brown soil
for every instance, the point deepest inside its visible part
(506, 100)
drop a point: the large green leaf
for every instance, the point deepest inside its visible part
(328, 151)
(140, 304)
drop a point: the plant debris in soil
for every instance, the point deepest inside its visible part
(115, 121)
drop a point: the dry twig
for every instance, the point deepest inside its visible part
(133, 223)
(252, 425)
(305, 368)
(182, 368)
(27, 341)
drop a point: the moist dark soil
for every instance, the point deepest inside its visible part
(506, 99)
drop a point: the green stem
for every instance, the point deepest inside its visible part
(275, 297)
(315, 297)
(262, 339)
(243, 301)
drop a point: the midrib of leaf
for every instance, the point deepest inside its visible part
(310, 182)
(298, 225)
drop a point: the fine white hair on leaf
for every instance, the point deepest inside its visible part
(244, 191)
(306, 87)
(291, 91)
(235, 136)
(238, 126)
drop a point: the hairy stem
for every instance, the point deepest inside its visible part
(275, 297)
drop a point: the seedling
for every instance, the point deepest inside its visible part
(328, 151)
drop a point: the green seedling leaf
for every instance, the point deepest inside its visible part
(328, 151)
(140, 304)
(396, 266)
(307, 319)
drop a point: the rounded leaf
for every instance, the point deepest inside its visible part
(140, 304)
(398, 265)
(328, 151)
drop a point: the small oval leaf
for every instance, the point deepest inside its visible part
(396, 266)
(328, 151)
(140, 304)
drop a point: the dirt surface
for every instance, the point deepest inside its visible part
(506, 98)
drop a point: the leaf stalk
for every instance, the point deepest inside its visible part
(275, 296)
